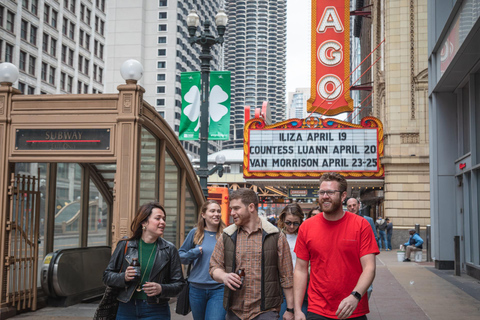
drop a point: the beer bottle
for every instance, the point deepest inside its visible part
(136, 265)
(241, 273)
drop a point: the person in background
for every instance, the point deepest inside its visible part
(415, 243)
(206, 295)
(261, 251)
(289, 221)
(313, 212)
(341, 250)
(381, 226)
(389, 234)
(161, 271)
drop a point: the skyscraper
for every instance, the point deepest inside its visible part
(156, 34)
(58, 47)
(255, 53)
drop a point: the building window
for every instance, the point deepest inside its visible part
(102, 27)
(85, 88)
(31, 65)
(162, 114)
(161, 64)
(82, 12)
(46, 13)
(21, 87)
(54, 19)
(62, 80)
(88, 16)
(70, 57)
(53, 47)
(100, 75)
(161, 77)
(25, 4)
(161, 89)
(51, 79)
(177, 128)
(100, 53)
(8, 53)
(72, 6)
(80, 63)
(30, 90)
(33, 35)
(23, 30)
(162, 15)
(64, 53)
(87, 41)
(69, 84)
(162, 52)
(162, 39)
(95, 47)
(80, 37)
(45, 42)
(10, 21)
(162, 3)
(160, 102)
(177, 115)
(65, 26)
(162, 27)
(71, 33)
(86, 66)
(79, 87)
(95, 67)
(34, 7)
(44, 71)
(23, 61)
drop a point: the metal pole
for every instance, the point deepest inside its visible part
(417, 228)
(456, 240)
(428, 244)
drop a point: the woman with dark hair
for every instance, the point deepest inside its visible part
(206, 295)
(145, 295)
(314, 211)
(289, 221)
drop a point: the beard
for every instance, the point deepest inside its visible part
(332, 206)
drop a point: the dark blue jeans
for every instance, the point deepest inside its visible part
(389, 241)
(207, 304)
(140, 309)
(382, 236)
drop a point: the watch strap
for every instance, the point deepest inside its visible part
(356, 295)
(290, 310)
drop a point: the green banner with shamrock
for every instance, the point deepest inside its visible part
(219, 106)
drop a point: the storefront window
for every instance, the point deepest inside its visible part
(191, 210)
(148, 165)
(171, 198)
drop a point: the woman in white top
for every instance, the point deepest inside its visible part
(289, 221)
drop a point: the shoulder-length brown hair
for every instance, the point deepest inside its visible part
(201, 224)
(142, 215)
(293, 209)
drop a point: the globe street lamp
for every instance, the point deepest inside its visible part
(206, 40)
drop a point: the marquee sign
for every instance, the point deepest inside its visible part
(307, 148)
(330, 57)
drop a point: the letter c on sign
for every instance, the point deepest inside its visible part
(330, 87)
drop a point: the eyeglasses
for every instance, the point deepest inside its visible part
(330, 193)
(289, 223)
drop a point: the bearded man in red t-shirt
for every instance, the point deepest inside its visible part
(341, 248)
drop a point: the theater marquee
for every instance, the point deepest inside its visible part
(308, 148)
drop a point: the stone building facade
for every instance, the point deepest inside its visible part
(400, 100)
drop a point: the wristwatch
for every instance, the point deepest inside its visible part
(356, 295)
(290, 310)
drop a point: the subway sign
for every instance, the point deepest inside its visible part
(296, 148)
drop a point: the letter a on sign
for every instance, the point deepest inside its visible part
(331, 48)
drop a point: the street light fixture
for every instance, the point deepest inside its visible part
(8, 73)
(206, 40)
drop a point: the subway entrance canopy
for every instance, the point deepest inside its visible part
(74, 170)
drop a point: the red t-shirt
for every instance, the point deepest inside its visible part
(334, 249)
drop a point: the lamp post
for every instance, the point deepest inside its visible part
(206, 40)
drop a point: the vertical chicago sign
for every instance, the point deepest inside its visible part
(330, 57)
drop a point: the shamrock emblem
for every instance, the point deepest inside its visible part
(216, 110)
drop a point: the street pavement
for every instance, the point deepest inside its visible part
(401, 291)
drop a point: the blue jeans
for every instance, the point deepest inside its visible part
(284, 307)
(140, 309)
(382, 236)
(207, 303)
(389, 241)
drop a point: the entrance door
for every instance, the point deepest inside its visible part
(22, 231)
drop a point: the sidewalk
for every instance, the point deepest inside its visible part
(401, 291)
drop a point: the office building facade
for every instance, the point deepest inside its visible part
(255, 53)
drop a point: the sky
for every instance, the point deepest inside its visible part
(298, 44)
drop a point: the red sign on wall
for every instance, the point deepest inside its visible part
(330, 94)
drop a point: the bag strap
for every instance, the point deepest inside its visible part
(124, 253)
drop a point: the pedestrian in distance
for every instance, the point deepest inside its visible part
(381, 226)
(145, 295)
(258, 251)
(415, 243)
(289, 221)
(389, 233)
(314, 211)
(206, 295)
(341, 250)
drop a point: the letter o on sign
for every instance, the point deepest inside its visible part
(330, 87)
